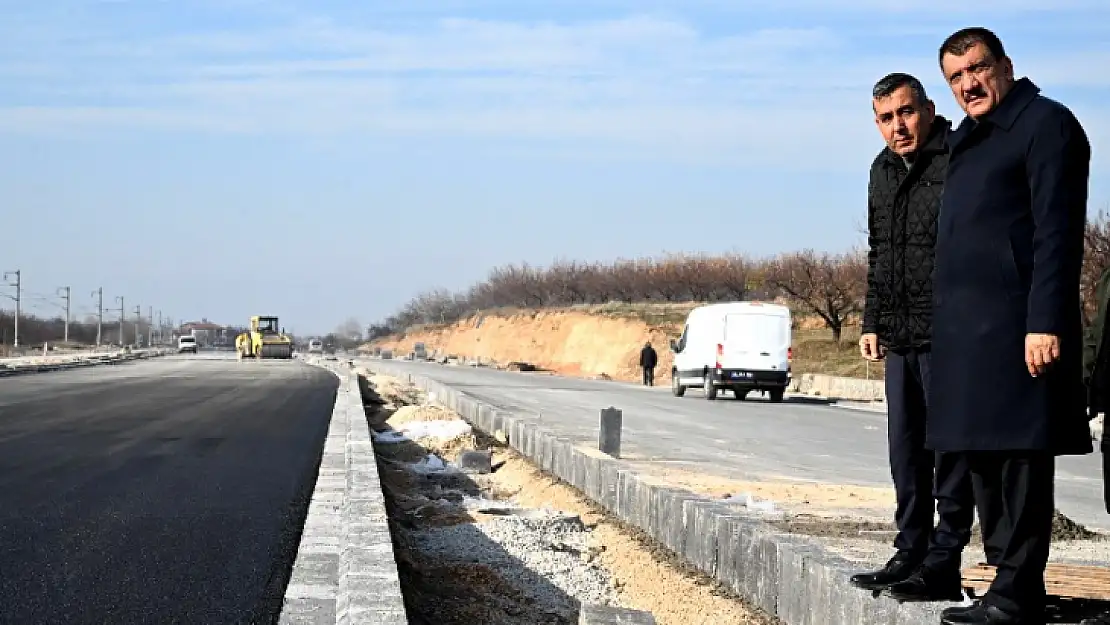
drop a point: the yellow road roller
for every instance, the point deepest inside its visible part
(265, 339)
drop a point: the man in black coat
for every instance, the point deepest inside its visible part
(648, 360)
(1007, 389)
(1096, 374)
(904, 195)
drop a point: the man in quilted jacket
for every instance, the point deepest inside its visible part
(904, 195)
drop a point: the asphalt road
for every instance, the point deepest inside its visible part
(162, 491)
(800, 438)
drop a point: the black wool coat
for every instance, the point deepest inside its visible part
(1008, 259)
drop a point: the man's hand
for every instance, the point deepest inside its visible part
(1041, 350)
(869, 347)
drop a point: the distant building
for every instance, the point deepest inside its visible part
(205, 332)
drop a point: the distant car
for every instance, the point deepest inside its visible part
(187, 344)
(315, 346)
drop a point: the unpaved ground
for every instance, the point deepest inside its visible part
(514, 547)
(793, 496)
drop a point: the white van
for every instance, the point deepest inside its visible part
(740, 346)
(187, 344)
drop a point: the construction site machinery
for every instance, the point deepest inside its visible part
(264, 339)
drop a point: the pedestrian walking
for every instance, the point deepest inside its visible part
(648, 361)
(1007, 390)
(904, 195)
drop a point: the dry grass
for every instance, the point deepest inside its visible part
(815, 352)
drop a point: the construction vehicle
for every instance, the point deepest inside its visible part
(264, 339)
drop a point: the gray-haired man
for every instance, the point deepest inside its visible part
(904, 196)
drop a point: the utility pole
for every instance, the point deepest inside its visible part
(122, 312)
(150, 326)
(99, 295)
(64, 293)
(161, 329)
(138, 319)
(18, 296)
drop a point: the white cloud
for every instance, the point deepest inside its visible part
(757, 95)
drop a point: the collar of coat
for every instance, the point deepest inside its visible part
(1005, 115)
(935, 143)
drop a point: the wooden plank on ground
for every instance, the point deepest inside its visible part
(1073, 581)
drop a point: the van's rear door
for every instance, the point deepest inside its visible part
(756, 341)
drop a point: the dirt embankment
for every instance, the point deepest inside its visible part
(605, 341)
(566, 342)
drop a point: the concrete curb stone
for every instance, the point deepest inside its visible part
(345, 571)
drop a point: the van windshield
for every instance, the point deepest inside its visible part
(756, 332)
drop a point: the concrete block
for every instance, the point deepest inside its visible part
(669, 524)
(563, 463)
(485, 418)
(528, 438)
(609, 431)
(304, 611)
(480, 462)
(497, 422)
(700, 517)
(609, 484)
(760, 584)
(607, 615)
(546, 451)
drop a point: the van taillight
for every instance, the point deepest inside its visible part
(720, 354)
(790, 354)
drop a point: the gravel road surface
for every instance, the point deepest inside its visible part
(163, 491)
(800, 438)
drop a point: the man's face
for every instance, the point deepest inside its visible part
(903, 121)
(977, 79)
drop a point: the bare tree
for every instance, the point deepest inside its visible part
(830, 286)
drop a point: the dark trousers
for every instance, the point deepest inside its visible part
(1022, 484)
(649, 376)
(925, 481)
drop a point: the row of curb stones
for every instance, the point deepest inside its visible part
(345, 572)
(789, 576)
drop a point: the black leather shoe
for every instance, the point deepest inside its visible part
(984, 614)
(900, 567)
(929, 584)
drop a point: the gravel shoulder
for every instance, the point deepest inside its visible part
(514, 546)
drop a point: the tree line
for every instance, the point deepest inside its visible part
(36, 330)
(831, 286)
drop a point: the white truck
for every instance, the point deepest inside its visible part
(315, 346)
(739, 346)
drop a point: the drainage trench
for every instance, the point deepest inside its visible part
(483, 536)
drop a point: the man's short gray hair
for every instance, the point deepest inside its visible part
(892, 82)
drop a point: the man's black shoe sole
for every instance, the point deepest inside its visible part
(908, 598)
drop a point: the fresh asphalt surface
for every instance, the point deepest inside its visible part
(161, 491)
(801, 438)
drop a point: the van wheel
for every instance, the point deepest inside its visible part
(776, 395)
(709, 388)
(739, 393)
(678, 390)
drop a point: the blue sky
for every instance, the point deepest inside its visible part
(320, 160)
